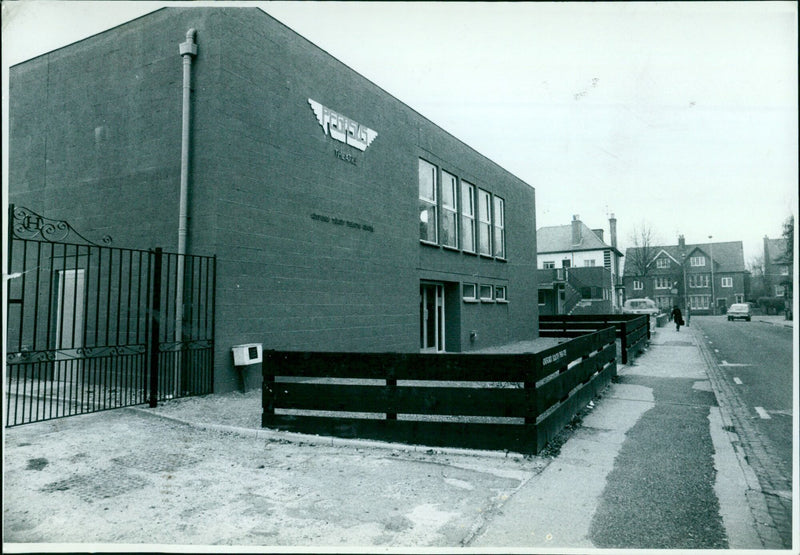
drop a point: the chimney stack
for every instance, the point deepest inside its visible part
(599, 233)
(612, 225)
(681, 242)
(576, 230)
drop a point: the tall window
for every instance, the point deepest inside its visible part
(499, 228)
(484, 222)
(449, 210)
(467, 216)
(427, 202)
(637, 285)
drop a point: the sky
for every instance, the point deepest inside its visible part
(680, 117)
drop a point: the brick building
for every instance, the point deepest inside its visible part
(341, 218)
(707, 277)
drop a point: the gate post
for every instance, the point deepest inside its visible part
(155, 326)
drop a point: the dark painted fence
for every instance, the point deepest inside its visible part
(516, 402)
(633, 330)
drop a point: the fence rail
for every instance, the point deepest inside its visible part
(517, 402)
(633, 330)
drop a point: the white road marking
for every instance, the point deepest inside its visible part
(726, 363)
(763, 414)
(738, 381)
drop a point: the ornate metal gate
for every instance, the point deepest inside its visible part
(93, 327)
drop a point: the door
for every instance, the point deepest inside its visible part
(431, 314)
(69, 323)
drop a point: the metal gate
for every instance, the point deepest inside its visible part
(92, 327)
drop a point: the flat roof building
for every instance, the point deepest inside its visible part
(341, 218)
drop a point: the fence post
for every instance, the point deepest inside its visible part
(532, 405)
(624, 342)
(155, 327)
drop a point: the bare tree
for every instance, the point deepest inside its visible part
(757, 283)
(643, 251)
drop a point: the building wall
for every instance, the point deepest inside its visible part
(576, 258)
(317, 242)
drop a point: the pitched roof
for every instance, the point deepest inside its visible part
(558, 238)
(728, 256)
(775, 249)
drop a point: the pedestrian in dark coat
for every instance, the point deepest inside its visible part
(677, 317)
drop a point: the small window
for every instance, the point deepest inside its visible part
(662, 283)
(662, 263)
(637, 285)
(548, 265)
(500, 294)
(469, 291)
(727, 282)
(486, 293)
(589, 263)
(698, 261)
(566, 263)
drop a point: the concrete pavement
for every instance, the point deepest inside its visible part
(200, 471)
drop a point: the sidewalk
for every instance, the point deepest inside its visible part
(201, 471)
(775, 320)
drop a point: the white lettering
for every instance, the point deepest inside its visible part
(342, 128)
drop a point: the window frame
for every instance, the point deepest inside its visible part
(638, 285)
(662, 262)
(452, 210)
(726, 280)
(468, 218)
(466, 298)
(697, 261)
(499, 227)
(485, 221)
(433, 203)
(659, 281)
(490, 297)
(498, 297)
(548, 265)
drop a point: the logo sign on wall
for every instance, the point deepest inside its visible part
(343, 128)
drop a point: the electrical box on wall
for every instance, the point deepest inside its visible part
(249, 353)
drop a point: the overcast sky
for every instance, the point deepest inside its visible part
(682, 116)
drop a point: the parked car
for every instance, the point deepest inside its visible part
(739, 310)
(640, 306)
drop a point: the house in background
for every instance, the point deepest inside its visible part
(577, 271)
(706, 277)
(777, 270)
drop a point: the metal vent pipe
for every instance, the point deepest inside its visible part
(188, 50)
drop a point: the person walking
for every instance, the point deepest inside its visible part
(677, 317)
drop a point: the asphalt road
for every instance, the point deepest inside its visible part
(755, 360)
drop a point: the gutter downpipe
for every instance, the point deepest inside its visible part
(188, 50)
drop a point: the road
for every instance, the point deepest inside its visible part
(755, 361)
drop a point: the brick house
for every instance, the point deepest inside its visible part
(578, 272)
(706, 277)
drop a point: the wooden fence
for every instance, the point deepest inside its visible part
(515, 402)
(633, 330)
